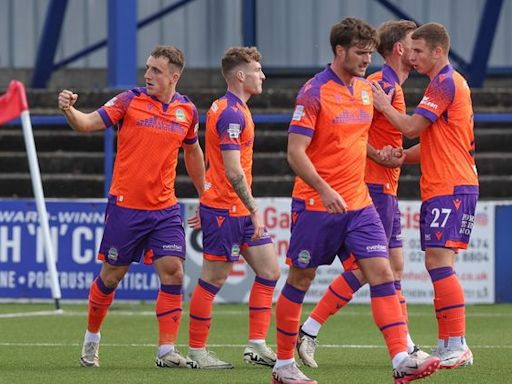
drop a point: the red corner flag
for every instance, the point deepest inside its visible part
(13, 102)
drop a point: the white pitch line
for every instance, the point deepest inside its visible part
(146, 345)
(114, 312)
(31, 314)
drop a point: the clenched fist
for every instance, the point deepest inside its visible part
(67, 99)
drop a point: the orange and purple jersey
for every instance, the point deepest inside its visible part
(150, 134)
(448, 145)
(336, 117)
(383, 133)
(229, 127)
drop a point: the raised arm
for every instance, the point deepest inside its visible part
(79, 121)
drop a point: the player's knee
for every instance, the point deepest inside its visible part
(301, 278)
(272, 274)
(110, 281)
(397, 272)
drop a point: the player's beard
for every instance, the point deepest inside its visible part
(356, 71)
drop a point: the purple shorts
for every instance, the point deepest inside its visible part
(447, 221)
(318, 237)
(131, 233)
(224, 236)
(387, 208)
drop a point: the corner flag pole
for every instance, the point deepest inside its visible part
(16, 87)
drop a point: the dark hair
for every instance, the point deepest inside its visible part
(391, 32)
(352, 31)
(434, 34)
(235, 56)
(174, 55)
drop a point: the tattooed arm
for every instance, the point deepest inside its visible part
(236, 177)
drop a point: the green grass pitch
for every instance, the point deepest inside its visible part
(40, 349)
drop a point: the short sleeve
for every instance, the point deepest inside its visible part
(438, 97)
(307, 108)
(191, 137)
(230, 125)
(115, 109)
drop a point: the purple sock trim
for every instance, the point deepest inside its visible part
(102, 287)
(268, 283)
(398, 285)
(441, 273)
(343, 298)
(382, 290)
(352, 280)
(172, 289)
(293, 294)
(260, 309)
(450, 307)
(392, 325)
(209, 287)
(168, 312)
(287, 333)
(199, 318)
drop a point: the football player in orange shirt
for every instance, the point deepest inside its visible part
(142, 215)
(443, 120)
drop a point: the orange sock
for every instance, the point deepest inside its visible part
(338, 295)
(401, 298)
(387, 314)
(201, 313)
(288, 311)
(448, 302)
(100, 298)
(260, 308)
(168, 312)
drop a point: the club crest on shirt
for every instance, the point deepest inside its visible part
(180, 115)
(365, 97)
(298, 113)
(234, 131)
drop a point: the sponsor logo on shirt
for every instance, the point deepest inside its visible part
(196, 128)
(376, 248)
(349, 117)
(156, 122)
(426, 102)
(234, 131)
(298, 113)
(214, 107)
(111, 102)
